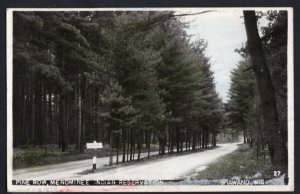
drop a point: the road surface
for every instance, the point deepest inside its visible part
(174, 167)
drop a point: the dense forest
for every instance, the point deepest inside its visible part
(132, 79)
(122, 78)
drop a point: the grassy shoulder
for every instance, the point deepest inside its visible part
(50, 154)
(242, 163)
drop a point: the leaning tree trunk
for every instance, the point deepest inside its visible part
(277, 147)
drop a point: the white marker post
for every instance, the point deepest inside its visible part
(94, 146)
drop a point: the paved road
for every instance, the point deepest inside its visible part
(164, 168)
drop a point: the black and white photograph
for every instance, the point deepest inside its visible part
(150, 99)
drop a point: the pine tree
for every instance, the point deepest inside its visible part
(241, 92)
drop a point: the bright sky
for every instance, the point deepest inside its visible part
(224, 31)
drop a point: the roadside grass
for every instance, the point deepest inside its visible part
(30, 156)
(241, 163)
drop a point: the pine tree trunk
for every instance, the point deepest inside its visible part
(38, 113)
(257, 139)
(189, 140)
(194, 141)
(33, 120)
(50, 111)
(65, 142)
(206, 138)
(31, 113)
(84, 114)
(200, 139)
(169, 142)
(215, 139)
(186, 140)
(124, 144)
(16, 117)
(111, 149)
(79, 112)
(128, 144)
(44, 113)
(24, 127)
(57, 134)
(134, 142)
(172, 143)
(139, 145)
(28, 116)
(117, 149)
(244, 134)
(148, 144)
(181, 141)
(163, 146)
(177, 139)
(131, 144)
(203, 138)
(212, 138)
(83, 132)
(61, 122)
(163, 139)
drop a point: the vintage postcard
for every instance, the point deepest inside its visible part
(150, 99)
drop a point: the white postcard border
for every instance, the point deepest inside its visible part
(177, 188)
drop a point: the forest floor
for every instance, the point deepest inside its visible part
(244, 163)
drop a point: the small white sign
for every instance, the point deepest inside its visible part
(94, 145)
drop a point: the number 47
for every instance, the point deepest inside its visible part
(277, 173)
